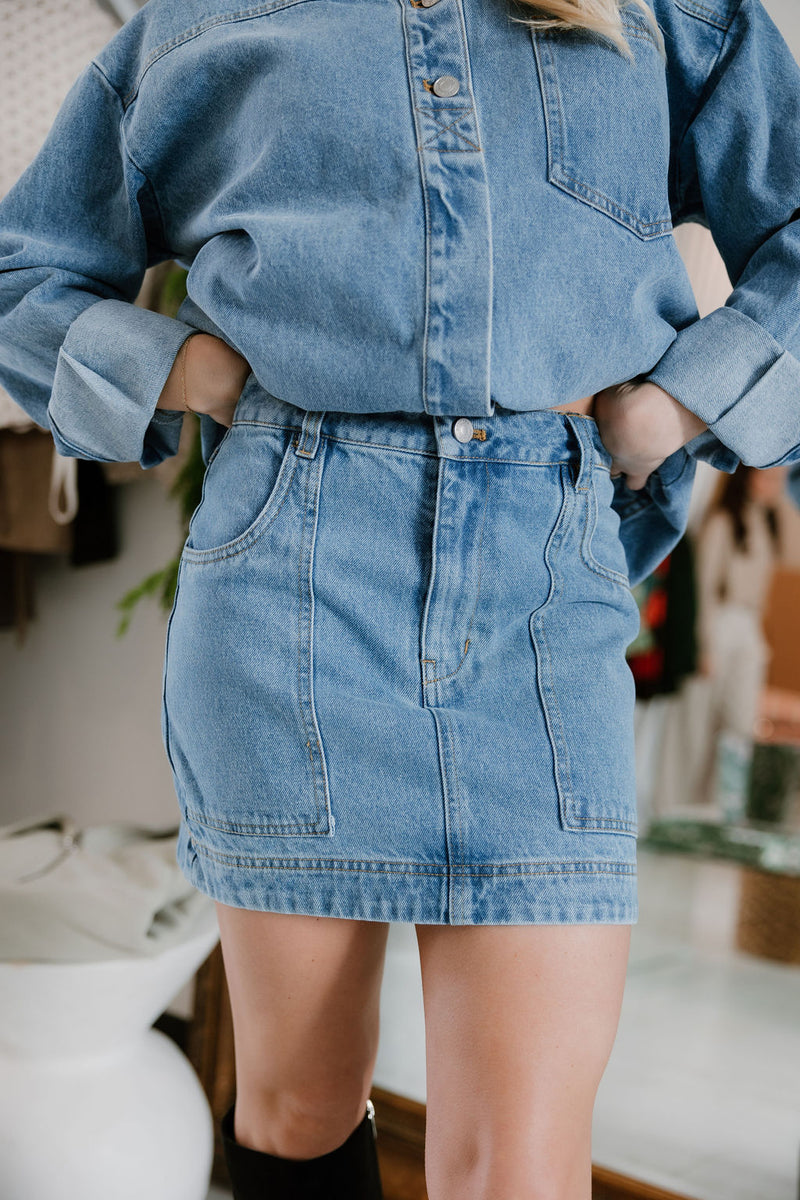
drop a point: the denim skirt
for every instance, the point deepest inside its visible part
(395, 685)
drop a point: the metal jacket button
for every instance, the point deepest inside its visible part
(424, 3)
(463, 429)
(446, 85)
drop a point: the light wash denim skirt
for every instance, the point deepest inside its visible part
(395, 683)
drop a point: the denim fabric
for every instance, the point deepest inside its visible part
(395, 684)
(370, 245)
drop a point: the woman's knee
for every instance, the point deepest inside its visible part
(300, 1121)
(487, 1165)
(305, 1001)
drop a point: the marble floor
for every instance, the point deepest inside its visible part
(701, 1095)
(702, 1091)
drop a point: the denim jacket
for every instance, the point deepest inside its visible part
(417, 205)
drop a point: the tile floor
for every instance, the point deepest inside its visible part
(701, 1093)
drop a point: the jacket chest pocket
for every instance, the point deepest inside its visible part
(607, 121)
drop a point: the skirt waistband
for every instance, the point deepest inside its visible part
(538, 436)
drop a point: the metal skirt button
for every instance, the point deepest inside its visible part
(446, 85)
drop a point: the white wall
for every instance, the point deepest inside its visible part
(786, 15)
(79, 708)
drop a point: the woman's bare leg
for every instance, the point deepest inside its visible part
(305, 995)
(520, 1021)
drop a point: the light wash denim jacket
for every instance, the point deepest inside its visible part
(417, 205)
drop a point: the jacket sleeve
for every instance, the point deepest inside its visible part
(77, 231)
(736, 170)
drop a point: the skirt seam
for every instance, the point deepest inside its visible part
(464, 870)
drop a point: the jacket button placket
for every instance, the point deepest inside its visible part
(458, 221)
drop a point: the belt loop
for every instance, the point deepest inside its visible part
(307, 443)
(582, 477)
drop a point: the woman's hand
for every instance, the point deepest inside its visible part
(640, 425)
(211, 375)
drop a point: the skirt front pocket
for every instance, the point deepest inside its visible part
(601, 546)
(245, 483)
(239, 719)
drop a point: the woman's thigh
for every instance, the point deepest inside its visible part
(520, 1021)
(305, 1002)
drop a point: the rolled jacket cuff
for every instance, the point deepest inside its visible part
(731, 372)
(111, 370)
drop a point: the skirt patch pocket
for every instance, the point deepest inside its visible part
(239, 704)
(580, 636)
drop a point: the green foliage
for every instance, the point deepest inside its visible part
(772, 783)
(161, 584)
(173, 291)
(186, 488)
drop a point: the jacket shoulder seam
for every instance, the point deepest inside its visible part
(104, 77)
(242, 14)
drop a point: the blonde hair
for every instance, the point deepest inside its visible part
(598, 16)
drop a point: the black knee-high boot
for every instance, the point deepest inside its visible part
(350, 1172)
